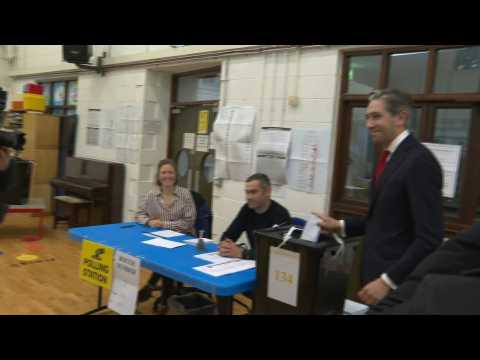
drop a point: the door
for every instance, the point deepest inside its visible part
(190, 133)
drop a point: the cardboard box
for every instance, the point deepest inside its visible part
(42, 131)
(45, 165)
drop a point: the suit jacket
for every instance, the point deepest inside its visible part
(459, 257)
(404, 223)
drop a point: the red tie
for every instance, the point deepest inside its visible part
(381, 164)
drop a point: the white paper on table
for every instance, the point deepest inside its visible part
(126, 278)
(213, 257)
(106, 138)
(164, 243)
(202, 143)
(312, 229)
(166, 233)
(449, 158)
(283, 271)
(93, 136)
(150, 235)
(231, 267)
(189, 141)
(195, 241)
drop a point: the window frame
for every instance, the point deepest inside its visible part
(50, 108)
(428, 101)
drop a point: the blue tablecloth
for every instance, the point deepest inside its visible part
(176, 264)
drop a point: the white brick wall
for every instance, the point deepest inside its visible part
(265, 82)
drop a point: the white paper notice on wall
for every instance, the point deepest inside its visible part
(93, 119)
(202, 143)
(121, 125)
(272, 153)
(93, 136)
(189, 141)
(449, 158)
(212, 141)
(283, 270)
(121, 141)
(107, 138)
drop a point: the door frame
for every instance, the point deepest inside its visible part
(174, 103)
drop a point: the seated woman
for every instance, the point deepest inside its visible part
(167, 206)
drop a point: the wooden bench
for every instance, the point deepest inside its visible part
(73, 205)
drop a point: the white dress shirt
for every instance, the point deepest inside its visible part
(391, 148)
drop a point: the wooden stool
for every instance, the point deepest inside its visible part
(74, 205)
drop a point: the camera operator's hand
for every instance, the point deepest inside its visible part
(4, 158)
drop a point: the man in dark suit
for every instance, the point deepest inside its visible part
(404, 223)
(453, 271)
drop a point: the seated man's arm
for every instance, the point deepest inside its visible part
(236, 228)
(456, 256)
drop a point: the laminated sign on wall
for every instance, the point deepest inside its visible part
(233, 138)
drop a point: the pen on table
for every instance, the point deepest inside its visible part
(127, 226)
(278, 225)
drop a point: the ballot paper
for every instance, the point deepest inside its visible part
(311, 229)
(195, 241)
(230, 267)
(214, 258)
(166, 233)
(164, 243)
(354, 308)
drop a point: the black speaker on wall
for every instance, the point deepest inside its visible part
(77, 54)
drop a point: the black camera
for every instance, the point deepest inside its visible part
(13, 139)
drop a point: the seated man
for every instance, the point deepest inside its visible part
(259, 212)
(453, 265)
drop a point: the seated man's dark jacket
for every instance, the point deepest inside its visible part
(459, 257)
(248, 220)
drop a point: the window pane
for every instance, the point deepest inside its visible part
(361, 158)
(57, 112)
(452, 126)
(408, 72)
(414, 122)
(59, 93)
(363, 74)
(72, 93)
(198, 88)
(46, 92)
(458, 70)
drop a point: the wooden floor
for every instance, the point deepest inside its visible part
(51, 285)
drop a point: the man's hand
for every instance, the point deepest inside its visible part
(374, 292)
(328, 224)
(229, 249)
(155, 223)
(4, 158)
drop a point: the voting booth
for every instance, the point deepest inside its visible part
(301, 277)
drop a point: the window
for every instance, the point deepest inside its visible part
(61, 97)
(444, 82)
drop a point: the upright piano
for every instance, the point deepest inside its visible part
(100, 182)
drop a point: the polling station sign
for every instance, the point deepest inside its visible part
(96, 266)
